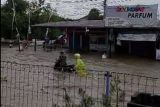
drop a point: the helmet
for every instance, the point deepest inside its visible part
(77, 55)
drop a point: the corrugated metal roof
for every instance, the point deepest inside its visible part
(78, 23)
(84, 23)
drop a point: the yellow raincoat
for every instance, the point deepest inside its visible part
(80, 66)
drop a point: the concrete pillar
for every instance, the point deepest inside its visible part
(130, 47)
(73, 42)
(80, 41)
(107, 40)
(109, 43)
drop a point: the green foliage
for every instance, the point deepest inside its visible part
(22, 24)
(106, 101)
(86, 101)
(7, 15)
(54, 33)
(37, 15)
(114, 89)
(6, 24)
(94, 14)
(20, 6)
(3, 78)
(67, 99)
(114, 85)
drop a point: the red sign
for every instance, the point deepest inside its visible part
(130, 9)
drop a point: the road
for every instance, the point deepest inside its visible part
(121, 63)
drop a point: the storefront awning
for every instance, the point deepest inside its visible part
(137, 37)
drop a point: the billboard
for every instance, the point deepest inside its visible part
(131, 15)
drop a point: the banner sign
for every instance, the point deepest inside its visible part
(132, 15)
(137, 37)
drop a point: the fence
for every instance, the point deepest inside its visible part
(24, 85)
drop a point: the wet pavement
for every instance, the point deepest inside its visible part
(93, 60)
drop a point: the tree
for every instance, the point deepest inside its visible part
(20, 18)
(20, 6)
(38, 14)
(41, 2)
(42, 15)
(6, 24)
(94, 14)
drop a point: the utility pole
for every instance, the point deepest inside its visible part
(104, 6)
(108, 32)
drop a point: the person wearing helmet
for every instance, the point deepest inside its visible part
(80, 66)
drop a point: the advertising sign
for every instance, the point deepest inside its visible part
(132, 15)
(137, 37)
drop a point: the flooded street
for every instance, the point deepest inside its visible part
(53, 53)
(121, 63)
(28, 85)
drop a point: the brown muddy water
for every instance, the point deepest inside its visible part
(41, 86)
(118, 63)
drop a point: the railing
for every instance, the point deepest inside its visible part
(24, 85)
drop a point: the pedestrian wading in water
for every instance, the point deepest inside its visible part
(80, 66)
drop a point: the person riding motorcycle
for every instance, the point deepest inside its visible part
(61, 62)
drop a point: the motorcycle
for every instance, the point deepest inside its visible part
(64, 68)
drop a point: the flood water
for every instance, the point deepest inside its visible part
(93, 60)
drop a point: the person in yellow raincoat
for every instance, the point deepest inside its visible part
(80, 65)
